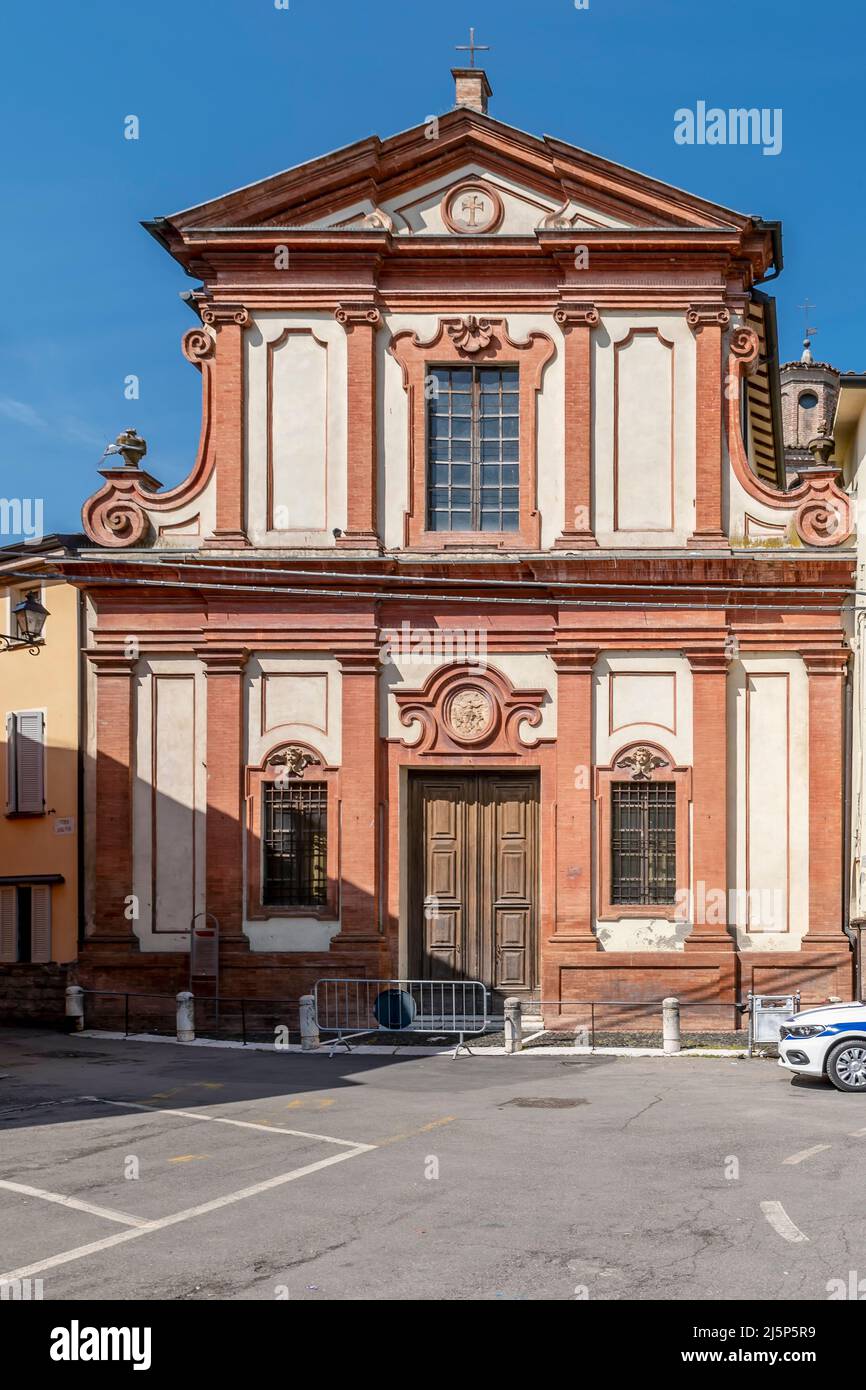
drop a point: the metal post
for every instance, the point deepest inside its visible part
(513, 1025)
(75, 1007)
(309, 1023)
(671, 1024)
(126, 1015)
(185, 1017)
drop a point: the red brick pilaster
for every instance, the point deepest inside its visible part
(709, 802)
(827, 672)
(573, 918)
(361, 322)
(229, 320)
(709, 322)
(113, 810)
(577, 322)
(224, 885)
(359, 819)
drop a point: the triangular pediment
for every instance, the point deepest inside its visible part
(404, 185)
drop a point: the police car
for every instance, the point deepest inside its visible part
(827, 1042)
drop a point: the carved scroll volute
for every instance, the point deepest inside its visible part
(117, 515)
(821, 511)
(570, 316)
(707, 316)
(114, 515)
(217, 314)
(825, 517)
(744, 345)
(197, 346)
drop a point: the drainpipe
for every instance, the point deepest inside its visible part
(81, 678)
(852, 929)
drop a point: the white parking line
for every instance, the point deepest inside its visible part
(241, 1124)
(26, 1271)
(75, 1204)
(806, 1153)
(782, 1223)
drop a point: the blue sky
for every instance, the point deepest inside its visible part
(230, 91)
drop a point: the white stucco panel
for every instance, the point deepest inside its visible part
(296, 429)
(293, 697)
(187, 526)
(643, 404)
(768, 801)
(169, 800)
(643, 696)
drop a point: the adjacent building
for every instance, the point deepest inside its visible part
(40, 764)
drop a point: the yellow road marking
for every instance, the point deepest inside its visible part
(191, 1085)
(304, 1103)
(187, 1158)
(413, 1133)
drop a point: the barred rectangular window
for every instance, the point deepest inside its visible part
(295, 828)
(643, 843)
(473, 469)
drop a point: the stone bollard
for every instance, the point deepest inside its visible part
(185, 1017)
(513, 1025)
(75, 1007)
(671, 1024)
(309, 1023)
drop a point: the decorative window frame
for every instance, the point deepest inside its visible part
(314, 769)
(458, 342)
(664, 770)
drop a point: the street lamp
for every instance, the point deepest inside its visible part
(30, 617)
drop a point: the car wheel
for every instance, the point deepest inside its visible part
(846, 1066)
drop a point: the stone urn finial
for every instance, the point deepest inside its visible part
(130, 445)
(821, 449)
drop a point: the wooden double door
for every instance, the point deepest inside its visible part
(473, 879)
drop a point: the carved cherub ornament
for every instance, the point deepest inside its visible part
(642, 763)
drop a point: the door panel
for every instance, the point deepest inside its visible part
(510, 805)
(473, 871)
(439, 897)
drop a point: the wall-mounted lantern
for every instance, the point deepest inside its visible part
(30, 617)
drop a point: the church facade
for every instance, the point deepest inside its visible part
(486, 637)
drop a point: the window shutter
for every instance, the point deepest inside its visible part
(40, 923)
(30, 762)
(8, 924)
(11, 798)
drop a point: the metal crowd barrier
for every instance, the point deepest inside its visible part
(354, 1008)
(766, 1012)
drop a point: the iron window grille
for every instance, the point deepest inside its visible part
(473, 444)
(295, 821)
(643, 843)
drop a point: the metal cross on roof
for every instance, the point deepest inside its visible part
(472, 47)
(807, 306)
